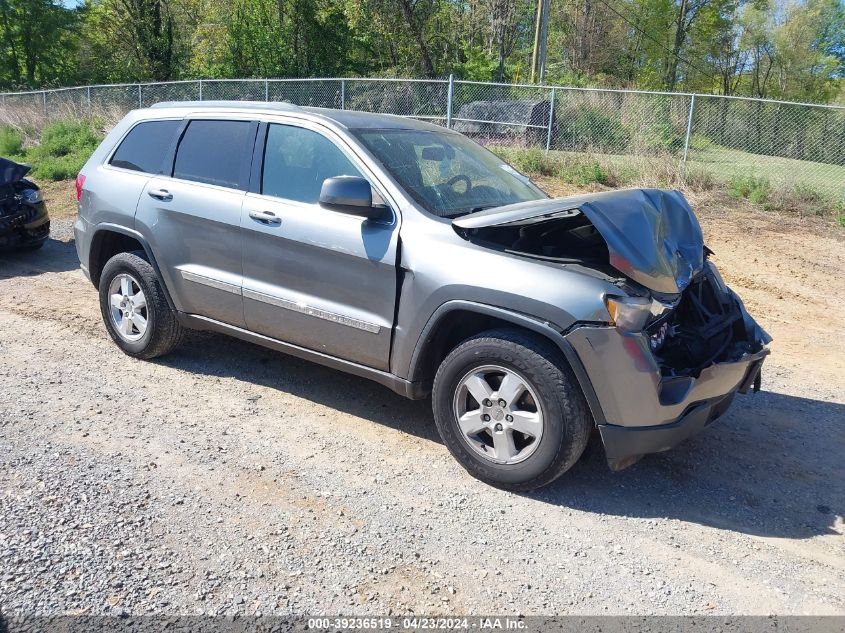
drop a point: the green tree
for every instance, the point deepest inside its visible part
(38, 39)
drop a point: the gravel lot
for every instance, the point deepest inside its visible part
(229, 479)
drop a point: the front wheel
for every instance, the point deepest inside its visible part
(135, 309)
(509, 409)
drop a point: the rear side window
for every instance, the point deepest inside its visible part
(213, 152)
(146, 146)
(297, 161)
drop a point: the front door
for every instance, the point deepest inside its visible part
(317, 278)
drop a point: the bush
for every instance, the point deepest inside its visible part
(59, 168)
(803, 199)
(754, 188)
(63, 149)
(531, 160)
(699, 180)
(584, 172)
(11, 142)
(68, 137)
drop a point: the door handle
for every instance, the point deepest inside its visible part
(161, 194)
(265, 217)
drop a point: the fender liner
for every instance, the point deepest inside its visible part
(107, 227)
(543, 328)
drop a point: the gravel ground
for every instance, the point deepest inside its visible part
(228, 479)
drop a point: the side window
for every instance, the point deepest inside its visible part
(212, 152)
(145, 147)
(297, 161)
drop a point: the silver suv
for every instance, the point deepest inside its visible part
(407, 253)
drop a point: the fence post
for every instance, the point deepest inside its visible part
(200, 89)
(88, 92)
(689, 130)
(343, 94)
(44, 93)
(551, 120)
(450, 93)
(266, 90)
(140, 100)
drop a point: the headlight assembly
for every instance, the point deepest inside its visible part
(31, 196)
(632, 314)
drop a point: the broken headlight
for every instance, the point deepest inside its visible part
(633, 314)
(32, 196)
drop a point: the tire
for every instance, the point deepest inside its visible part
(552, 391)
(162, 332)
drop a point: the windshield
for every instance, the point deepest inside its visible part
(448, 174)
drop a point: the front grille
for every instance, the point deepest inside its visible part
(703, 327)
(18, 217)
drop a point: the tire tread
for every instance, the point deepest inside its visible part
(167, 333)
(547, 359)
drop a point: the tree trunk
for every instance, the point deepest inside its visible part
(10, 43)
(680, 36)
(416, 33)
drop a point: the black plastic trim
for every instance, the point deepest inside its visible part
(396, 384)
(117, 228)
(540, 327)
(624, 442)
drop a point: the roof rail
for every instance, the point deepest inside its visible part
(250, 105)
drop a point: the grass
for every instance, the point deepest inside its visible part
(58, 153)
(799, 187)
(571, 168)
(726, 163)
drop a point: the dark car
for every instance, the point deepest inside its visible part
(24, 221)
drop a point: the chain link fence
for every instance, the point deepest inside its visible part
(727, 139)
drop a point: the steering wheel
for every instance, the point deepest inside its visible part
(454, 180)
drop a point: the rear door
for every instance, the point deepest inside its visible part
(193, 216)
(314, 277)
(140, 155)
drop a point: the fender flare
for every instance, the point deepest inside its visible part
(107, 227)
(543, 328)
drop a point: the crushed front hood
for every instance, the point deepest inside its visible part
(11, 172)
(652, 235)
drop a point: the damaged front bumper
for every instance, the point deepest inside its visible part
(646, 405)
(643, 411)
(27, 226)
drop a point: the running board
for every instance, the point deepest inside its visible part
(399, 385)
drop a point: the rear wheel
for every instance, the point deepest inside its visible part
(135, 309)
(510, 410)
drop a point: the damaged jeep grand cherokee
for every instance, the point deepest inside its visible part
(406, 253)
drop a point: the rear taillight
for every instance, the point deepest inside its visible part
(80, 182)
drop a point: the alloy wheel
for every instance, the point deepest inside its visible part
(128, 307)
(499, 414)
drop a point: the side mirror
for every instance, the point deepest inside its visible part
(350, 194)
